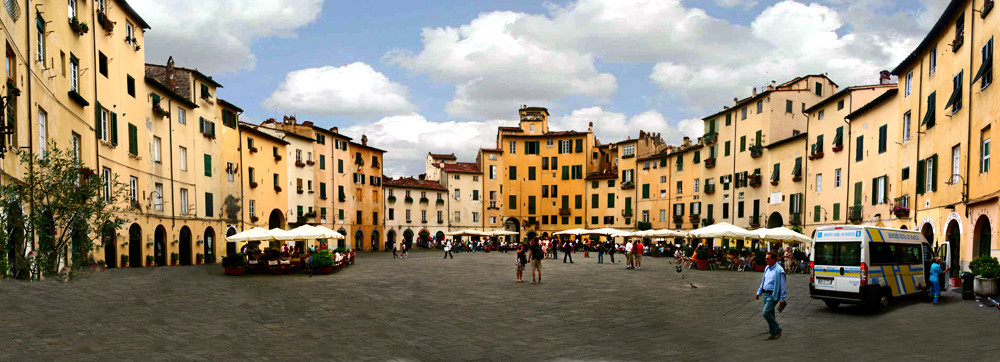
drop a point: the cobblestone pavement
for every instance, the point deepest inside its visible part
(466, 308)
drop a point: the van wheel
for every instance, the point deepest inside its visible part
(883, 301)
(832, 304)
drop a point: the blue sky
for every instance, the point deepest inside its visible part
(442, 75)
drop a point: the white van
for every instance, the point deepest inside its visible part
(869, 265)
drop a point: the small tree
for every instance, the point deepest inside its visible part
(66, 204)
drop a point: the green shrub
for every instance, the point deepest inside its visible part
(322, 258)
(233, 261)
(758, 257)
(984, 266)
(702, 254)
(340, 250)
(688, 251)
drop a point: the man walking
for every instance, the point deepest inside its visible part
(629, 255)
(637, 250)
(447, 250)
(612, 249)
(536, 261)
(600, 252)
(772, 287)
(394, 255)
(404, 247)
(568, 251)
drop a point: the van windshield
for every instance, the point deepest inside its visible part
(838, 253)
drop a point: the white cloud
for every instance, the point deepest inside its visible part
(355, 89)
(215, 36)
(613, 126)
(409, 137)
(495, 70)
(735, 3)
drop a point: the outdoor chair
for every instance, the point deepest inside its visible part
(273, 267)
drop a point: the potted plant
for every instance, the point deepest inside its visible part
(701, 258)
(310, 162)
(173, 258)
(986, 269)
(838, 147)
(408, 200)
(159, 111)
(124, 261)
(253, 184)
(391, 199)
(254, 218)
(758, 260)
(233, 264)
(149, 260)
(210, 258)
(101, 265)
(322, 262)
(199, 258)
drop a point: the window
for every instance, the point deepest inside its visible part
(72, 9)
(158, 196)
(760, 106)
(880, 190)
(909, 83)
(475, 195)
(133, 189)
(905, 174)
(956, 155)
(531, 173)
(743, 143)
(322, 162)
(955, 102)
(727, 149)
(906, 127)
(129, 33)
(932, 62)
(883, 134)
(628, 150)
(821, 114)
(130, 85)
(836, 178)
(513, 173)
(513, 147)
(204, 91)
(680, 187)
(184, 201)
(743, 113)
(181, 116)
(840, 104)
(156, 149)
(102, 64)
(986, 69)
(788, 106)
(208, 166)
(493, 172)
(102, 124)
(512, 202)
(40, 40)
(253, 207)
(41, 132)
(75, 144)
(984, 156)
(182, 155)
(475, 216)
(819, 89)
(493, 157)
(209, 208)
(696, 181)
(566, 146)
(930, 167)
(859, 154)
(819, 182)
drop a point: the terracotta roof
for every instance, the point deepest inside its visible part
(460, 167)
(166, 90)
(491, 150)
(786, 140)
(565, 133)
(412, 183)
(355, 144)
(610, 174)
(844, 91)
(223, 102)
(516, 129)
(246, 127)
(438, 156)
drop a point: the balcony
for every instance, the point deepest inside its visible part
(627, 212)
(707, 222)
(678, 219)
(710, 162)
(709, 189)
(901, 207)
(424, 200)
(695, 219)
(755, 221)
(628, 185)
(564, 211)
(710, 138)
(754, 180)
(795, 218)
(854, 213)
(756, 151)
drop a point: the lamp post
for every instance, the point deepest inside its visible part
(965, 185)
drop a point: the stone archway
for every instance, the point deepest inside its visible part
(408, 238)
(184, 246)
(928, 232)
(982, 237)
(209, 244)
(342, 243)
(954, 234)
(359, 237)
(276, 219)
(512, 224)
(160, 246)
(135, 246)
(775, 220)
(230, 246)
(110, 244)
(390, 239)
(375, 240)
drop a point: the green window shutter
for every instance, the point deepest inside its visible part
(920, 176)
(595, 201)
(628, 203)
(97, 117)
(322, 162)
(565, 201)
(645, 191)
(340, 214)
(729, 118)
(760, 137)
(512, 202)
(133, 139)
(531, 205)
(340, 166)
(860, 151)
(874, 191)
(727, 148)
(113, 125)
(208, 165)
(578, 202)
(775, 176)
(663, 162)
(513, 173)
(209, 207)
(857, 193)
(579, 145)
(611, 200)
(819, 143)
(934, 172)
(565, 172)
(697, 157)
(743, 143)
(839, 138)
(883, 133)
(816, 213)
(836, 212)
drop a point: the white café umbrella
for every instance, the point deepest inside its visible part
(305, 232)
(502, 233)
(605, 231)
(723, 230)
(328, 233)
(782, 234)
(255, 234)
(281, 235)
(466, 232)
(665, 233)
(572, 232)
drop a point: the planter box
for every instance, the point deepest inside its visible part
(149, 263)
(234, 271)
(173, 262)
(985, 287)
(702, 264)
(323, 270)
(759, 267)
(956, 282)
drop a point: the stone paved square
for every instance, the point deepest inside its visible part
(466, 308)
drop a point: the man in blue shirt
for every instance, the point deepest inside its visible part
(935, 278)
(772, 287)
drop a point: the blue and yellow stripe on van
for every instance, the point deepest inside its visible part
(875, 235)
(835, 271)
(901, 279)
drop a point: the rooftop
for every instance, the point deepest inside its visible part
(412, 183)
(441, 156)
(459, 167)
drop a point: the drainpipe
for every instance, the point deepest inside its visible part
(170, 140)
(239, 135)
(920, 105)
(968, 134)
(805, 171)
(31, 164)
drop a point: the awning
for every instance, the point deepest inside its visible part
(722, 230)
(783, 234)
(929, 115)
(987, 64)
(255, 234)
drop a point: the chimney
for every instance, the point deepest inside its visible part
(422, 176)
(335, 130)
(590, 127)
(772, 86)
(170, 73)
(754, 92)
(884, 77)
(735, 100)
(687, 141)
(364, 140)
(307, 123)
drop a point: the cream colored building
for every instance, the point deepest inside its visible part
(413, 213)
(874, 171)
(464, 183)
(263, 166)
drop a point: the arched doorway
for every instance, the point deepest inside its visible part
(375, 239)
(342, 243)
(982, 238)
(209, 246)
(775, 220)
(425, 238)
(359, 237)
(184, 246)
(135, 246)
(110, 244)
(390, 239)
(408, 238)
(928, 231)
(512, 224)
(230, 246)
(954, 239)
(439, 236)
(160, 246)
(276, 220)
